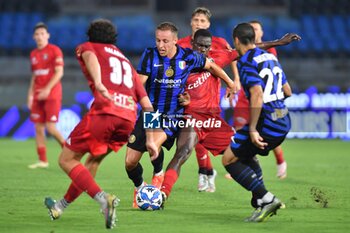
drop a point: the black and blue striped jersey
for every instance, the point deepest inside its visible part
(258, 67)
(167, 76)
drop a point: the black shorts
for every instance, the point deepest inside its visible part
(137, 139)
(242, 146)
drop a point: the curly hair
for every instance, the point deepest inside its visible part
(202, 32)
(102, 31)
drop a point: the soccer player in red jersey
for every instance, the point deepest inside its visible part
(117, 88)
(204, 91)
(45, 91)
(241, 112)
(201, 20)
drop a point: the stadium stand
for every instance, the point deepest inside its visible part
(323, 25)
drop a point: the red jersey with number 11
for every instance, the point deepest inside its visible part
(118, 76)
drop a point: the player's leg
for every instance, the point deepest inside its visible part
(135, 148)
(69, 161)
(92, 163)
(52, 130)
(40, 146)
(281, 163)
(253, 163)
(52, 109)
(133, 167)
(216, 141)
(158, 174)
(202, 155)
(246, 177)
(186, 140)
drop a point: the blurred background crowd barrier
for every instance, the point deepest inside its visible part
(320, 62)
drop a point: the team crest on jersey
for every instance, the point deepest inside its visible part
(132, 138)
(45, 56)
(34, 60)
(169, 72)
(182, 65)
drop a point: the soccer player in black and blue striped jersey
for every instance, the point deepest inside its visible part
(164, 70)
(266, 87)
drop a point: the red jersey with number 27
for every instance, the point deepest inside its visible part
(43, 62)
(118, 76)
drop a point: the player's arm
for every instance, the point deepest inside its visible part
(94, 69)
(287, 90)
(235, 73)
(143, 78)
(154, 138)
(256, 103)
(220, 73)
(57, 76)
(31, 92)
(285, 40)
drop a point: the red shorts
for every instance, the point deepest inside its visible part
(98, 133)
(241, 112)
(214, 139)
(45, 111)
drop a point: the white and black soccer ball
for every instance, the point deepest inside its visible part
(149, 198)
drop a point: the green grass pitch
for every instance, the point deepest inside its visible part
(316, 193)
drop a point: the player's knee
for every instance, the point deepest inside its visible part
(51, 129)
(130, 163)
(228, 158)
(183, 154)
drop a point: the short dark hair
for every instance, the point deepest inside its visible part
(168, 26)
(202, 32)
(257, 22)
(202, 10)
(102, 31)
(245, 33)
(40, 25)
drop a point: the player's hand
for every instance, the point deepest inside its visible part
(231, 91)
(232, 99)
(43, 93)
(184, 99)
(103, 91)
(152, 150)
(236, 86)
(288, 38)
(257, 140)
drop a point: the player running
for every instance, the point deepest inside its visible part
(117, 89)
(266, 87)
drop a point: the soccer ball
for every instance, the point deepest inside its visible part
(149, 198)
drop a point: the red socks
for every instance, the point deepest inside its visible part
(73, 193)
(170, 177)
(203, 157)
(42, 153)
(82, 178)
(279, 156)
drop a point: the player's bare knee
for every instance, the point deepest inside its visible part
(130, 163)
(228, 157)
